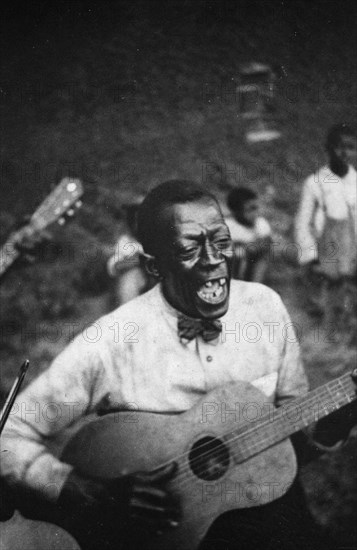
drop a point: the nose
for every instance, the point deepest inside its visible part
(351, 153)
(210, 256)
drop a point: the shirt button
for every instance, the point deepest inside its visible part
(209, 358)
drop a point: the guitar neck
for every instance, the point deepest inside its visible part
(288, 419)
(8, 254)
(63, 198)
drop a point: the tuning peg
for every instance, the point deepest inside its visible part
(78, 204)
(61, 221)
(70, 212)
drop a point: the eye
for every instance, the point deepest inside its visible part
(187, 253)
(223, 243)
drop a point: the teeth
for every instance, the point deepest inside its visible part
(209, 284)
(213, 293)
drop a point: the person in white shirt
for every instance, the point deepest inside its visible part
(125, 267)
(251, 235)
(161, 352)
(325, 225)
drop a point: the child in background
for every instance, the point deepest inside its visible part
(326, 221)
(325, 225)
(251, 235)
(125, 265)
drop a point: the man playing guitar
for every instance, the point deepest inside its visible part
(161, 353)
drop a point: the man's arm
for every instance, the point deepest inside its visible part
(303, 223)
(292, 379)
(328, 433)
(54, 401)
(51, 403)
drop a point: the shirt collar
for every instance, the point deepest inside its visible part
(172, 315)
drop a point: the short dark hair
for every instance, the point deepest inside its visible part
(239, 196)
(166, 194)
(335, 132)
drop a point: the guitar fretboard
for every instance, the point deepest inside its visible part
(279, 424)
(8, 254)
(67, 192)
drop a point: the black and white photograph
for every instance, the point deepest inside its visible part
(178, 275)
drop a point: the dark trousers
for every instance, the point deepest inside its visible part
(284, 524)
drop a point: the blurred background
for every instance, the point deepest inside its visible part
(125, 95)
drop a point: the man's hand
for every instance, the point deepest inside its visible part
(333, 430)
(140, 498)
(7, 506)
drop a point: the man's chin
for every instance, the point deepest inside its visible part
(212, 298)
(207, 310)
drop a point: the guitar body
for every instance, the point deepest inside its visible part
(210, 480)
(19, 533)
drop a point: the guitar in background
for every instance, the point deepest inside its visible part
(62, 200)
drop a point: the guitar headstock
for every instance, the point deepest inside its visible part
(64, 199)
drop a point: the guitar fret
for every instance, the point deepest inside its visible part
(344, 391)
(316, 404)
(331, 394)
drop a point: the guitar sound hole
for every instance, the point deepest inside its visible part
(209, 458)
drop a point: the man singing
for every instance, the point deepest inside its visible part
(162, 352)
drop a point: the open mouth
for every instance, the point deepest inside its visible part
(213, 291)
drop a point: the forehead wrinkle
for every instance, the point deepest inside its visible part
(201, 230)
(180, 222)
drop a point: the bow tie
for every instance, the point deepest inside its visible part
(188, 328)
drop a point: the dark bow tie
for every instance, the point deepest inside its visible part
(188, 328)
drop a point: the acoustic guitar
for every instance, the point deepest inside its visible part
(232, 450)
(62, 200)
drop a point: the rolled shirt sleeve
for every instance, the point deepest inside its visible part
(145, 364)
(292, 379)
(293, 382)
(51, 403)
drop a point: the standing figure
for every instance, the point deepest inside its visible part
(325, 227)
(171, 348)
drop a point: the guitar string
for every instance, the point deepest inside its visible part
(344, 384)
(324, 392)
(220, 452)
(185, 474)
(263, 423)
(278, 421)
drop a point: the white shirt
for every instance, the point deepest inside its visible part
(135, 354)
(126, 253)
(244, 234)
(324, 195)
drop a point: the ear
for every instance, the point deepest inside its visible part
(151, 266)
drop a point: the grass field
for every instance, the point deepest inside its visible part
(126, 97)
